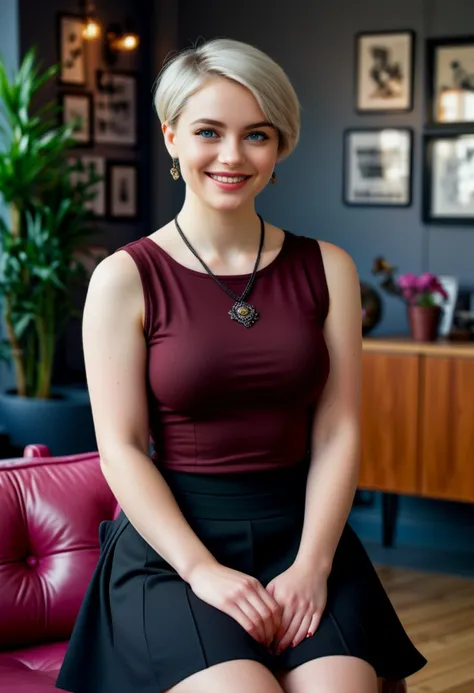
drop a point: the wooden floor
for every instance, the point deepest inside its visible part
(438, 614)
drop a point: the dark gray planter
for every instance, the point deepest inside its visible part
(63, 423)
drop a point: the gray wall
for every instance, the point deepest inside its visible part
(9, 32)
(9, 51)
(314, 42)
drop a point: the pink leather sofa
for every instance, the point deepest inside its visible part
(50, 511)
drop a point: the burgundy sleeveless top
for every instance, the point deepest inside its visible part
(223, 397)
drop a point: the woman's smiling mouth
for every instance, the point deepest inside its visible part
(229, 182)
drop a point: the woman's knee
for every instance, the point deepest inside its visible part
(236, 676)
(335, 674)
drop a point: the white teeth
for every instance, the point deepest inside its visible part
(228, 179)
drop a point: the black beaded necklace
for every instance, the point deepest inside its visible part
(242, 312)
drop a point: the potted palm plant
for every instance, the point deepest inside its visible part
(46, 228)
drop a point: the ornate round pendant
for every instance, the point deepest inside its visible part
(244, 313)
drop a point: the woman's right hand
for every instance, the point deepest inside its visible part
(240, 596)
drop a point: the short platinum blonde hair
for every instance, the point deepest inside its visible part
(186, 73)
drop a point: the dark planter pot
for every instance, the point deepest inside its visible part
(63, 423)
(424, 322)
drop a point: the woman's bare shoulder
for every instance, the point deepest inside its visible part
(118, 269)
(116, 279)
(335, 258)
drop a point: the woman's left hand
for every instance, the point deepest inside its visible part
(302, 593)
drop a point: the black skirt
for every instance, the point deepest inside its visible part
(141, 629)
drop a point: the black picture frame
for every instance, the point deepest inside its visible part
(113, 126)
(433, 48)
(380, 106)
(66, 75)
(85, 96)
(440, 178)
(364, 173)
(118, 210)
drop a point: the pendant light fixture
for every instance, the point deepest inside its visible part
(91, 29)
(120, 39)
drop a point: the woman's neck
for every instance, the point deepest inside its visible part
(220, 233)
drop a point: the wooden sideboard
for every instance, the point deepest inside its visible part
(417, 421)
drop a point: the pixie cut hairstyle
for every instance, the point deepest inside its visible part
(186, 73)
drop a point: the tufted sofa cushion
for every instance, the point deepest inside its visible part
(50, 511)
(33, 670)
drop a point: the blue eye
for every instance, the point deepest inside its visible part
(258, 136)
(206, 134)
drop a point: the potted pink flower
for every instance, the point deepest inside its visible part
(419, 292)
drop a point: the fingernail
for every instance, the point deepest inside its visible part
(293, 644)
(310, 635)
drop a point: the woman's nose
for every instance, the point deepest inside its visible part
(231, 152)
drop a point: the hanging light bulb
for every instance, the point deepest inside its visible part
(119, 40)
(91, 29)
(130, 42)
(125, 39)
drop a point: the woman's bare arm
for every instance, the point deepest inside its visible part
(335, 458)
(115, 358)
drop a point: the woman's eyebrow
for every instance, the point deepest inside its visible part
(210, 121)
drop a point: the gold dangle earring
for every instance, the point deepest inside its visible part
(174, 170)
(273, 179)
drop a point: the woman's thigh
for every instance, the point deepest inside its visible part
(236, 676)
(335, 674)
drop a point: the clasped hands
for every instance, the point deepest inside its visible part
(280, 615)
(301, 594)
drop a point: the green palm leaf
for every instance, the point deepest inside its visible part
(48, 224)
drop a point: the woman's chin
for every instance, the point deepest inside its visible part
(226, 201)
(229, 203)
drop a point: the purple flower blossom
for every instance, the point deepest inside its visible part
(408, 281)
(426, 281)
(413, 289)
(420, 289)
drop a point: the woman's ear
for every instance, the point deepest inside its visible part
(169, 137)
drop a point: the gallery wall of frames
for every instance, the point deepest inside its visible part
(107, 94)
(106, 119)
(378, 161)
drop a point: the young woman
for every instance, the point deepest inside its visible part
(237, 346)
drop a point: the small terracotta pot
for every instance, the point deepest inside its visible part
(424, 322)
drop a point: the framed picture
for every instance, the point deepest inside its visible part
(115, 108)
(122, 186)
(384, 71)
(378, 167)
(92, 164)
(450, 75)
(78, 107)
(71, 53)
(451, 286)
(448, 182)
